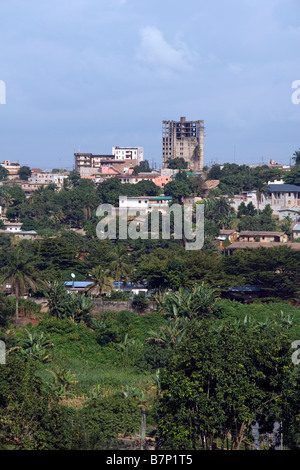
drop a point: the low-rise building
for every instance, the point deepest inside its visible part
(296, 231)
(262, 236)
(285, 200)
(146, 203)
(230, 234)
(155, 177)
(45, 178)
(87, 163)
(253, 245)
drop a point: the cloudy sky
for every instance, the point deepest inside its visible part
(92, 74)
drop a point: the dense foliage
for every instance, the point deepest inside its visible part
(204, 366)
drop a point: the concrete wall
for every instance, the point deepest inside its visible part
(116, 306)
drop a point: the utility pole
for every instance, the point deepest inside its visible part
(143, 427)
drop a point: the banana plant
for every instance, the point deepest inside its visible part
(35, 346)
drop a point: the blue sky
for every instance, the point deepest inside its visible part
(93, 74)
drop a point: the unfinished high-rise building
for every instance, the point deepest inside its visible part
(183, 139)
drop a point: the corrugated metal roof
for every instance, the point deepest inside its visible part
(284, 188)
(78, 284)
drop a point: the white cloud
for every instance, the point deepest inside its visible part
(155, 51)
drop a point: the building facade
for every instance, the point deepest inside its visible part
(183, 139)
(129, 153)
(285, 200)
(87, 163)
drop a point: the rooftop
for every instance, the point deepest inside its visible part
(284, 188)
(227, 231)
(249, 233)
(245, 245)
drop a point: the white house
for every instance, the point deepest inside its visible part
(147, 203)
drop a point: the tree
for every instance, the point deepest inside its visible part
(102, 282)
(24, 173)
(292, 176)
(261, 189)
(219, 211)
(3, 173)
(275, 269)
(120, 266)
(72, 180)
(286, 226)
(175, 274)
(296, 157)
(177, 189)
(146, 188)
(197, 185)
(261, 221)
(31, 418)
(7, 310)
(214, 173)
(104, 418)
(143, 167)
(20, 272)
(62, 304)
(178, 163)
(140, 302)
(28, 224)
(56, 295)
(219, 380)
(246, 210)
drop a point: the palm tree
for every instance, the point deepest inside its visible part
(261, 189)
(121, 269)
(103, 283)
(296, 157)
(21, 274)
(6, 198)
(56, 295)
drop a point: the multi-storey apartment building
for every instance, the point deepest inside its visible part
(129, 153)
(87, 164)
(183, 139)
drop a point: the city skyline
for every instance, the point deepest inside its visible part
(90, 75)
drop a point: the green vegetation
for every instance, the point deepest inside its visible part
(24, 173)
(202, 366)
(177, 164)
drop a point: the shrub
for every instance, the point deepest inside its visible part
(140, 302)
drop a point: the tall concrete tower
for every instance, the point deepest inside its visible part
(183, 139)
